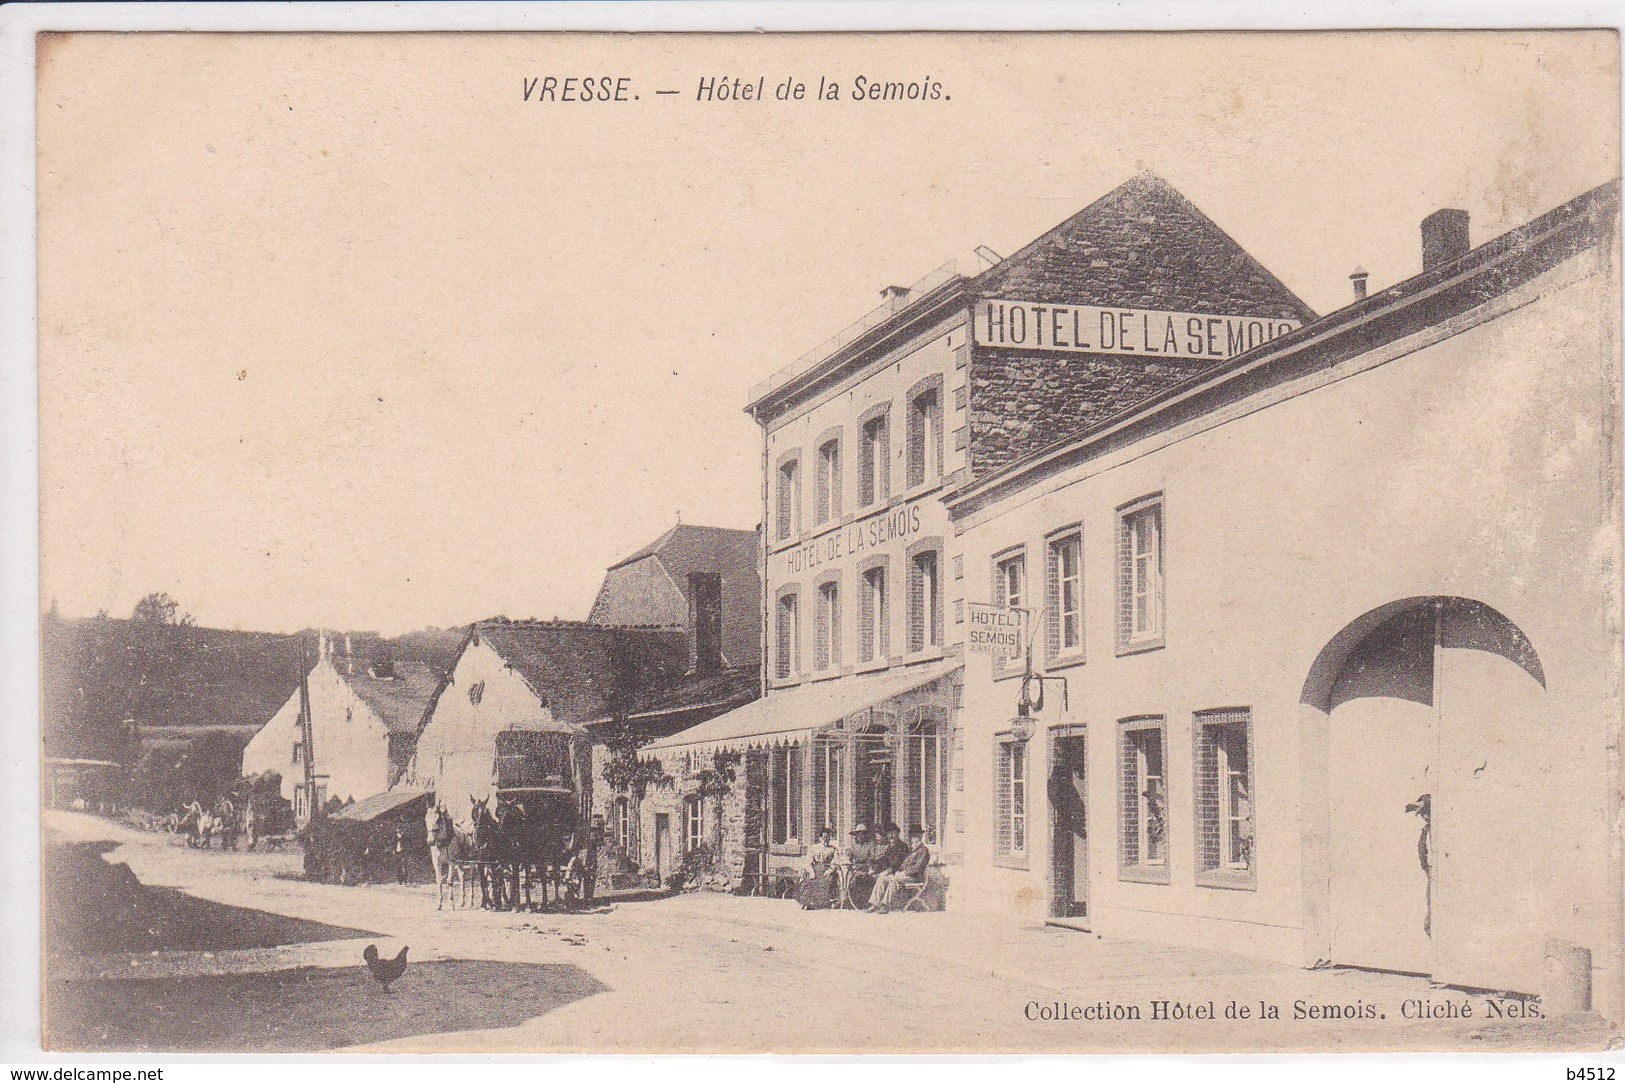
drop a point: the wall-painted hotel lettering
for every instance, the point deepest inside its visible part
(878, 532)
(1026, 325)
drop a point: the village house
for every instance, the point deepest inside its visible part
(704, 581)
(507, 720)
(363, 723)
(1312, 627)
(862, 441)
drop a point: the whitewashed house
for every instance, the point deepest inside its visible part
(364, 721)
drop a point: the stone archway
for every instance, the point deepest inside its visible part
(1422, 729)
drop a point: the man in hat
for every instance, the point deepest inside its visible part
(887, 861)
(860, 857)
(911, 870)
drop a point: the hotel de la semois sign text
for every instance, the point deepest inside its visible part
(1029, 325)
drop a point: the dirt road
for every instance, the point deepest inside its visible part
(244, 956)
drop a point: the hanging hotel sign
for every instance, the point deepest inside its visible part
(994, 629)
(1027, 325)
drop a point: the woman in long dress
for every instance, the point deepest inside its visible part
(818, 889)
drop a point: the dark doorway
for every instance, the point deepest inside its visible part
(1069, 815)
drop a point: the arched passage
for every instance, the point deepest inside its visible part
(1422, 762)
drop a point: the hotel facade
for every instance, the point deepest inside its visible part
(864, 582)
(1329, 638)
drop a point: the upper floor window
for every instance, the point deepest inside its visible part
(1224, 796)
(874, 617)
(827, 487)
(1140, 600)
(924, 601)
(874, 461)
(1065, 602)
(827, 643)
(787, 660)
(1010, 590)
(925, 435)
(789, 506)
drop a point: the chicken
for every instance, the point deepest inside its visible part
(384, 971)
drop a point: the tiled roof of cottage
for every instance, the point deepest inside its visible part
(586, 671)
(401, 699)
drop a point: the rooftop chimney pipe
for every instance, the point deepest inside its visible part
(1444, 237)
(1358, 279)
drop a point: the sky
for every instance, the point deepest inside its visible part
(341, 331)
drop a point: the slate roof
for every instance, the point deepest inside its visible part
(400, 701)
(1422, 301)
(585, 671)
(1142, 245)
(687, 539)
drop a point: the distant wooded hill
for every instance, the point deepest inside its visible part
(171, 678)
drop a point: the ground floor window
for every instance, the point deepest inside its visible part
(693, 824)
(623, 823)
(1143, 837)
(784, 796)
(827, 780)
(1010, 763)
(1224, 795)
(924, 778)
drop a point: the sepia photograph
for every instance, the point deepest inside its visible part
(826, 543)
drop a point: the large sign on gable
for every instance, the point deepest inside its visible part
(1029, 325)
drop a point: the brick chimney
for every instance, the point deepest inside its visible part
(894, 296)
(1358, 280)
(704, 623)
(1444, 237)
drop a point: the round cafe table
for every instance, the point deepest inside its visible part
(843, 889)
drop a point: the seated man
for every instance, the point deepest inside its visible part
(911, 870)
(860, 858)
(887, 861)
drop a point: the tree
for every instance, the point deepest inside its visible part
(626, 771)
(159, 608)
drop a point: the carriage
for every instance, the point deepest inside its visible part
(528, 838)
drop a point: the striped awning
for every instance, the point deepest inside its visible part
(798, 714)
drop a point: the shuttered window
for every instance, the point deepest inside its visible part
(925, 436)
(789, 505)
(787, 661)
(827, 487)
(874, 617)
(874, 461)
(924, 601)
(827, 643)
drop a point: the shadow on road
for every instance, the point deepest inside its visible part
(304, 1010)
(93, 907)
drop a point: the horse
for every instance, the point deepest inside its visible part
(487, 853)
(453, 855)
(203, 825)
